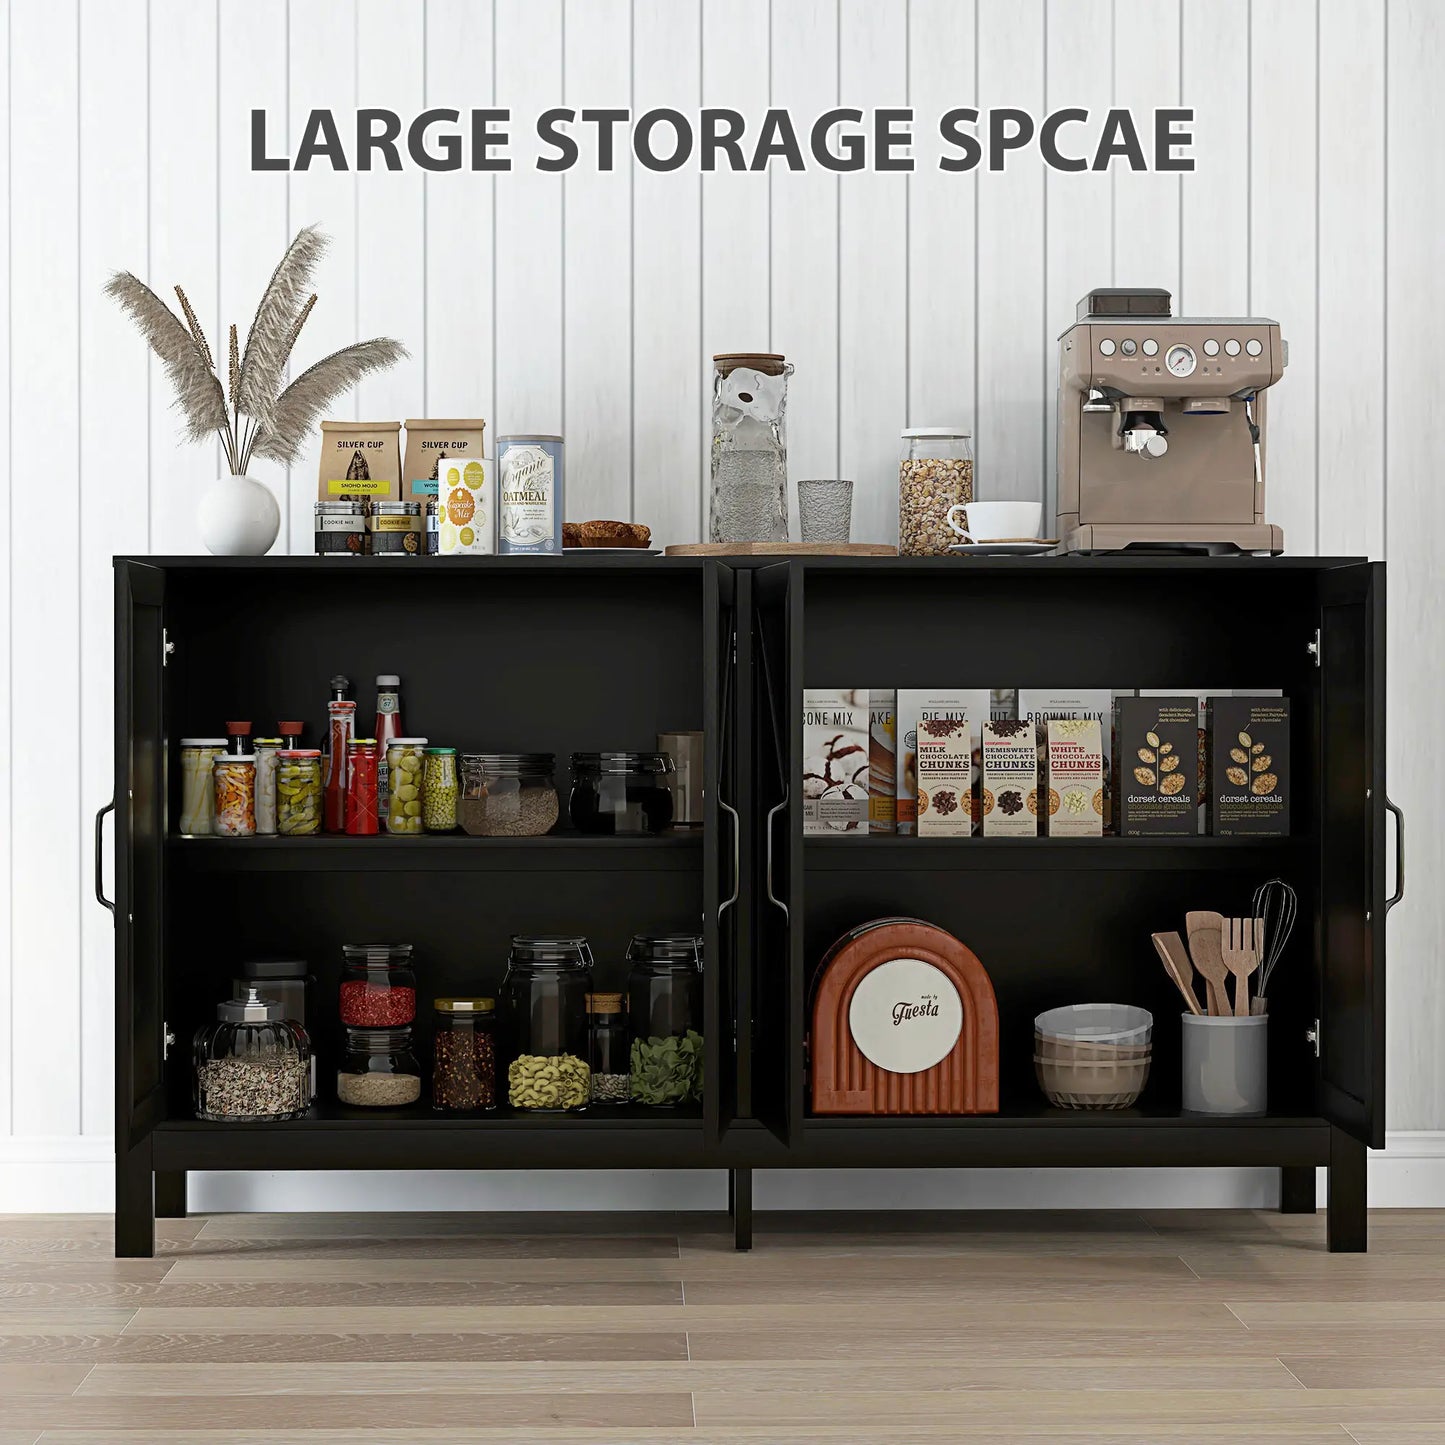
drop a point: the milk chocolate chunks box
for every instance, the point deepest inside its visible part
(1249, 781)
(1158, 748)
(945, 777)
(835, 761)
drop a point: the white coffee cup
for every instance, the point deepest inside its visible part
(997, 521)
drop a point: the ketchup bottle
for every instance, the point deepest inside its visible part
(388, 726)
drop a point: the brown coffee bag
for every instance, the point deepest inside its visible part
(427, 441)
(360, 459)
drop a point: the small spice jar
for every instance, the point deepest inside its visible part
(404, 767)
(544, 1003)
(378, 1069)
(234, 776)
(935, 474)
(464, 1055)
(266, 750)
(341, 529)
(198, 796)
(626, 794)
(378, 985)
(507, 795)
(298, 792)
(439, 790)
(362, 760)
(664, 998)
(252, 1063)
(611, 1078)
(396, 529)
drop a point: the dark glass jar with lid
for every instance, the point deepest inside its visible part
(379, 1069)
(621, 793)
(611, 1082)
(464, 1055)
(378, 985)
(544, 1007)
(664, 998)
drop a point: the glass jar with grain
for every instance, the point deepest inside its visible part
(934, 474)
(507, 795)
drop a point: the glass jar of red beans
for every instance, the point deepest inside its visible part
(378, 985)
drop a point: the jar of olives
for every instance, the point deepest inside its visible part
(298, 792)
(439, 790)
(404, 766)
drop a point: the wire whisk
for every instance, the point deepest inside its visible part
(1278, 905)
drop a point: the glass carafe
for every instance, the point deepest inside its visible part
(749, 499)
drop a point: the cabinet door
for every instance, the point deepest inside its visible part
(1352, 849)
(140, 795)
(777, 1031)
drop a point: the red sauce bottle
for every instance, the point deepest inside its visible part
(361, 756)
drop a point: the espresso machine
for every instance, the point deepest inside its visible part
(1162, 427)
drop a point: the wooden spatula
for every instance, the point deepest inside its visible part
(1175, 958)
(1240, 952)
(1206, 948)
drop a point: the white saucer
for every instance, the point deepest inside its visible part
(612, 551)
(1004, 549)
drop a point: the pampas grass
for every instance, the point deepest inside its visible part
(262, 419)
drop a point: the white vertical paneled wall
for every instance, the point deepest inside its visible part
(590, 303)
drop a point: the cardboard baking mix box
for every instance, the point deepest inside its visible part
(945, 776)
(1249, 773)
(1071, 793)
(882, 760)
(935, 704)
(1158, 776)
(1040, 705)
(1010, 779)
(835, 761)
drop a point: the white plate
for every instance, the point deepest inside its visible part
(613, 551)
(1004, 549)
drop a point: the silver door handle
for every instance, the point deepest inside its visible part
(773, 897)
(1399, 892)
(737, 878)
(100, 855)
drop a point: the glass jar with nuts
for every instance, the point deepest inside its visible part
(935, 473)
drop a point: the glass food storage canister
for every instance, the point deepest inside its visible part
(286, 981)
(621, 793)
(544, 999)
(362, 782)
(507, 795)
(252, 1063)
(298, 792)
(439, 790)
(749, 497)
(935, 473)
(397, 529)
(405, 758)
(378, 1069)
(198, 797)
(378, 985)
(464, 1055)
(234, 775)
(266, 750)
(664, 1001)
(611, 1082)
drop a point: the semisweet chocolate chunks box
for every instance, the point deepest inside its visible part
(1249, 774)
(835, 761)
(1009, 798)
(1157, 746)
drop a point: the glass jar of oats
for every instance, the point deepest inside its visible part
(935, 473)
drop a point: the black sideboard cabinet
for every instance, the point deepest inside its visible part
(573, 654)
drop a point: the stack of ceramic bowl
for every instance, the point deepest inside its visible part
(1093, 1055)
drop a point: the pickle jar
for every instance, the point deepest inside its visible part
(298, 792)
(405, 758)
(664, 1000)
(544, 1006)
(611, 1083)
(439, 790)
(935, 474)
(267, 760)
(379, 1069)
(198, 796)
(252, 1063)
(234, 776)
(507, 795)
(464, 1055)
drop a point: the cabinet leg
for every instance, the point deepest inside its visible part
(1297, 1189)
(1348, 1222)
(135, 1210)
(170, 1193)
(740, 1201)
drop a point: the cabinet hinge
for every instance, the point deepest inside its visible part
(1312, 1037)
(1315, 648)
(168, 1039)
(167, 647)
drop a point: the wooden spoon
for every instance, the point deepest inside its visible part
(1206, 948)
(1175, 958)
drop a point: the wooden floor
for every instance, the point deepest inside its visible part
(1192, 1328)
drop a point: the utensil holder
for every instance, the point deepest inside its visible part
(1226, 1064)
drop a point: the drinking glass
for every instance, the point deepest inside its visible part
(825, 509)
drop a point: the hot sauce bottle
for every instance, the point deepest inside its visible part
(341, 727)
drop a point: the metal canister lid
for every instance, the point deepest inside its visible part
(396, 509)
(534, 436)
(464, 1005)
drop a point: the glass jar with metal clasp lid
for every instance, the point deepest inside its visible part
(664, 999)
(544, 1003)
(621, 793)
(507, 795)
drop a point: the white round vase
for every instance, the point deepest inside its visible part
(238, 517)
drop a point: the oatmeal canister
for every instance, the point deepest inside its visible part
(529, 518)
(935, 473)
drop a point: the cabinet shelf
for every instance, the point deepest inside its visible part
(1041, 855)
